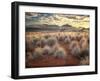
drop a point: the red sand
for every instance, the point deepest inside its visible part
(48, 61)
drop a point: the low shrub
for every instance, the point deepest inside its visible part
(60, 53)
(51, 41)
(38, 52)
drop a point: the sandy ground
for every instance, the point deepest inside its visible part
(50, 61)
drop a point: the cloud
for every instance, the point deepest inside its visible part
(57, 19)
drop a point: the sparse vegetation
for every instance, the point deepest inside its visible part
(29, 55)
(47, 50)
(75, 48)
(84, 43)
(38, 52)
(58, 45)
(51, 41)
(85, 61)
(67, 40)
(60, 53)
(43, 42)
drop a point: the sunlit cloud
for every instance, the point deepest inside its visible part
(58, 19)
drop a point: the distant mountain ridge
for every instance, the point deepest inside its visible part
(46, 27)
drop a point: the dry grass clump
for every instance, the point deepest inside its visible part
(47, 50)
(85, 61)
(67, 40)
(60, 53)
(34, 41)
(43, 41)
(51, 41)
(75, 48)
(29, 55)
(83, 43)
(38, 52)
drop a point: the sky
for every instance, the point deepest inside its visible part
(75, 20)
